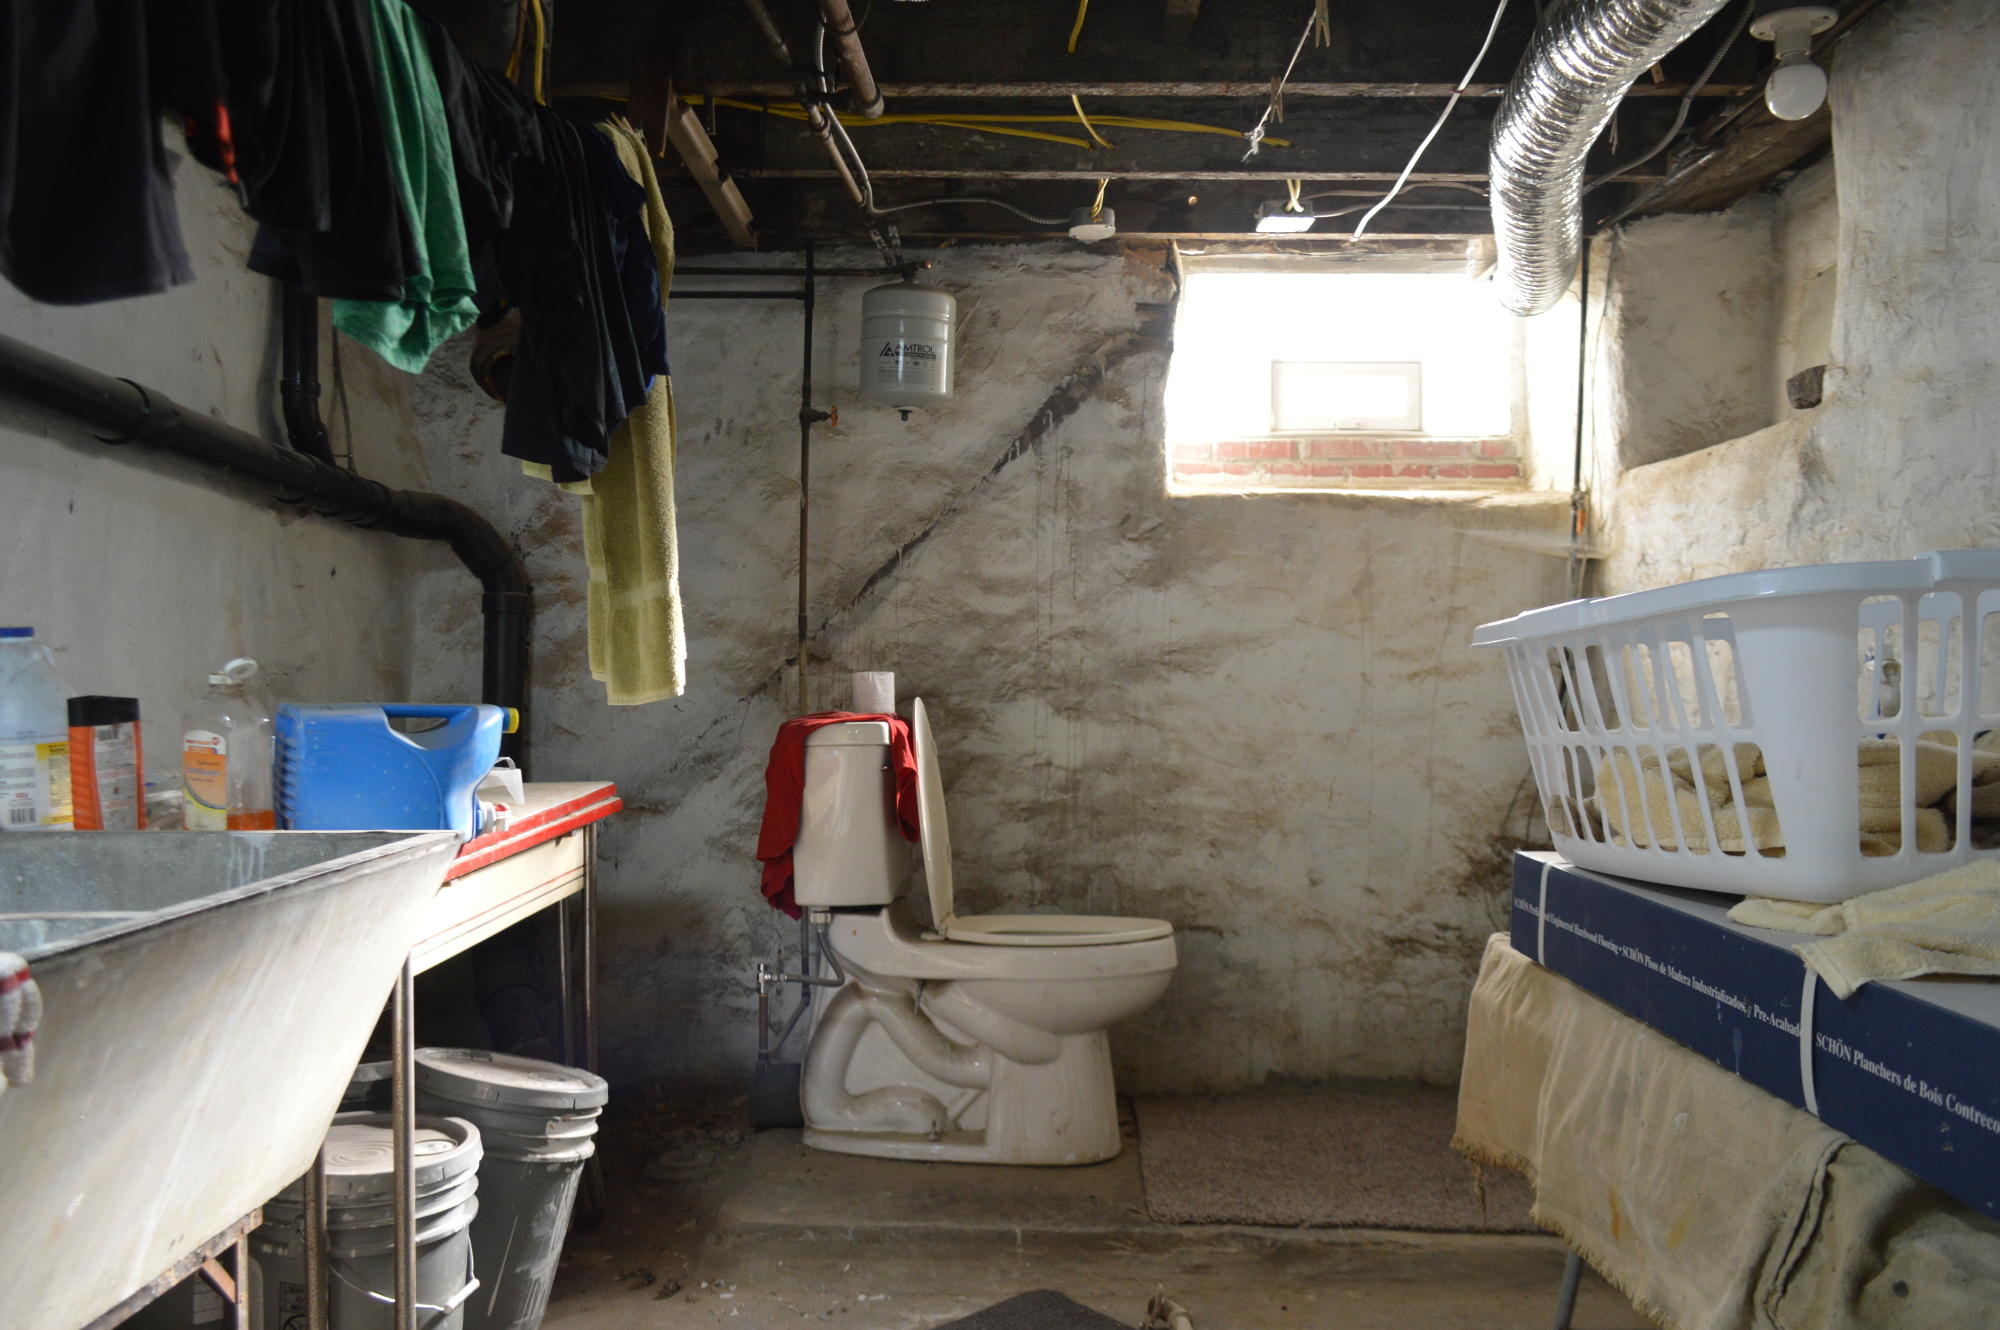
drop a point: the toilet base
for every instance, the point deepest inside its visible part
(1060, 1112)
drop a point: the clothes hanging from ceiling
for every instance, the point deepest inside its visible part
(86, 189)
(335, 224)
(578, 265)
(638, 644)
(436, 302)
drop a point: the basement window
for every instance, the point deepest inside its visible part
(1339, 376)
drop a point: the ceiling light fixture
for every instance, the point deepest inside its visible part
(1797, 86)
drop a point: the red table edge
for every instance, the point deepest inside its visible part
(593, 805)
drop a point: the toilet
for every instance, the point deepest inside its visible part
(975, 1038)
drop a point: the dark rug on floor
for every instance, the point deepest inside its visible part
(1368, 1155)
(1043, 1309)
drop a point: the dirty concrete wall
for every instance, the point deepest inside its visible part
(144, 575)
(1254, 716)
(1689, 310)
(1900, 458)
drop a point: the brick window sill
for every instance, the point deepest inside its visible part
(1348, 462)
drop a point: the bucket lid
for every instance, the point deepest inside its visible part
(361, 1154)
(369, 1078)
(505, 1080)
(934, 833)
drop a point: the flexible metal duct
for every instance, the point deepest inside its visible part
(1584, 57)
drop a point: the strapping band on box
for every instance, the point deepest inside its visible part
(1542, 917)
(1806, 1091)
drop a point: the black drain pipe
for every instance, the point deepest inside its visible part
(298, 382)
(121, 412)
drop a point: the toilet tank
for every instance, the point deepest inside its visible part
(849, 851)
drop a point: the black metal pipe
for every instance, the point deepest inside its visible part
(121, 412)
(298, 383)
(806, 418)
(735, 295)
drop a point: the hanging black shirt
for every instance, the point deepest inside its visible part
(86, 194)
(324, 183)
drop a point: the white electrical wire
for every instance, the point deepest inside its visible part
(853, 156)
(1256, 132)
(1361, 226)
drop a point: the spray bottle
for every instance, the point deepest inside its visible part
(226, 755)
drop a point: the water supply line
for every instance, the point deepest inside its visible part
(818, 118)
(1582, 59)
(121, 413)
(846, 34)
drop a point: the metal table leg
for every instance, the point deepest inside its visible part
(590, 948)
(591, 1212)
(1566, 1295)
(565, 975)
(403, 1112)
(240, 1317)
(317, 1311)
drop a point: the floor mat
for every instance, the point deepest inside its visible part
(1369, 1155)
(1043, 1309)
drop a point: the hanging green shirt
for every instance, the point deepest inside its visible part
(437, 298)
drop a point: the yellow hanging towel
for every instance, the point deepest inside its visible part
(638, 646)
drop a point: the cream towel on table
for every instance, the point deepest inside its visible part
(638, 644)
(1712, 1205)
(1947, 924)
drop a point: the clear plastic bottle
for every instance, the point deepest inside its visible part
(34, 736)
(226, 755)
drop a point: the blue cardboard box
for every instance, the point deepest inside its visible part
(1910, 1068)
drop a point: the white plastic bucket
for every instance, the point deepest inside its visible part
(361, 1229)
(538, 1121)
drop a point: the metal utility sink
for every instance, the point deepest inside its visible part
(205, 998)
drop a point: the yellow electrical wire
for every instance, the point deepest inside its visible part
(993, 124)
(1292, 188)
(520, 40)
(541, 46)
(1076, 29)
(1084, 120)
(1097, 205)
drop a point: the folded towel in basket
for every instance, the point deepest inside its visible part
(1639, 800)
(20, 1017)
(1945, 924)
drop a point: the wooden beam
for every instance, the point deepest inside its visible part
(756, 90)
(1743, 145)
(1177, 25)
(691, 141)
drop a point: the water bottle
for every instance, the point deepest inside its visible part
(34, 736)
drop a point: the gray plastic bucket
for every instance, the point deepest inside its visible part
(538, 1122)
(361, 1229)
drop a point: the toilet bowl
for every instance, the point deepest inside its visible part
(978, 1038)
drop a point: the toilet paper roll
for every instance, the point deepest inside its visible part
(875, 693)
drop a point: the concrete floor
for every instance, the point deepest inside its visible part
(725, 1226)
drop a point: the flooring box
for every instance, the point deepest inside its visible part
(1910, 1069)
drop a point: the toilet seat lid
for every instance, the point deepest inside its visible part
(1006, 930)
(934, 834)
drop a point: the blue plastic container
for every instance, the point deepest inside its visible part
(344, 767)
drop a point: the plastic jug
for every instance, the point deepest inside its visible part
(345, 767)
(34, 736)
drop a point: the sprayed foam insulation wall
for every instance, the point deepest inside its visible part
(145, 574)
(1256, 717)
(1901, 457)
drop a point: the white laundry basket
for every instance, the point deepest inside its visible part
(1779, 733)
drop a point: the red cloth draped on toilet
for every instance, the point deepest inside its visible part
(784, 790)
